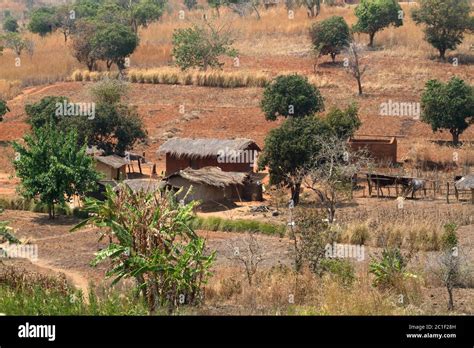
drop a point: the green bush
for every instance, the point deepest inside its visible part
(390, 269)
(343, 270)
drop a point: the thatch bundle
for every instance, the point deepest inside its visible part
(212, 176)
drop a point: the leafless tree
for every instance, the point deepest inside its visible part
(353, 63)
(249, 253)
(332, 171)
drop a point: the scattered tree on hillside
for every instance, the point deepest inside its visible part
(43, 112)
(115, 127)
(86, 8)
(15, 42)
(43, 21)
(313, 7)
(344, 123)
(10, 24)
(216, 4)
(353, 64)
(291, 96)
(113, 44)
(330, 172)
(289, 150)
(83, 49)
(448, 106)
(190, 4)
(53, 168)
(65, 20)
(201, 46)
(330, 36)
(154, 243)
(445, 22)
(243, 7)
(3, 109)
(375, 15)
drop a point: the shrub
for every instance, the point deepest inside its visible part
(343, 270)
(390, 269)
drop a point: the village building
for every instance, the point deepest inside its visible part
(230, 155)
(381, 150)
(113, 167)
(211, 184)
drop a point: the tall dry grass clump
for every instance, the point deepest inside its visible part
(174, 76)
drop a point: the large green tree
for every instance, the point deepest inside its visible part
(10, 24)
(330, 36)
(289, 150)
(43, 21)
(53, 167)
(291, 96)
(376, 15)
(445, 22)
(448, 106)
(113, 44)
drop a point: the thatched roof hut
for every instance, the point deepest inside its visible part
(201, 148)
(231, 155)
(209, 184)
(137, 185)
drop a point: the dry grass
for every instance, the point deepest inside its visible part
(281, 291)
(174, 76)
(414, 227)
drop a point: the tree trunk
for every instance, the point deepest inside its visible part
(295, 192)
(333, 57)
(450, 300)
(442, 54)
(360, 86)
(455, 135)
(371, 39)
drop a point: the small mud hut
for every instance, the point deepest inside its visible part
(211, 184)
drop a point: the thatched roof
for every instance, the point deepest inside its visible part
(212, 176)
(137, 185)
(465, 183)
(113, 161)
(195, 148)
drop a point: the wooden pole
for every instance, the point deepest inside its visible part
(447, 192)
(472, 196)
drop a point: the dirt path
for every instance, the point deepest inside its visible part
(76, 278)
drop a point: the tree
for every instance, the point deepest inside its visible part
(153, 242)
(86, 8)
(114, 43)
(291, 95)
(53, 168)
(330, 36)
(242, 7)
(201, 46)
(344, 123)
(216, 4)
(313, 7)
(353, 64)
(289, 149)
(65, 20)
(445, 21)
(190, 4)
(448, 106)
(83, 50)
(330, 171)
(10, 24)
(143, 12)
(376, 15)
(43, 21)
(43, 112)
(115, 128)
(15, 42)
(3, 109)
